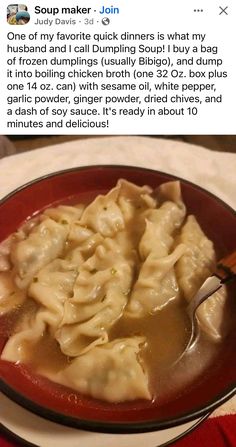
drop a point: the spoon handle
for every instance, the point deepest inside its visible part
(226, 267)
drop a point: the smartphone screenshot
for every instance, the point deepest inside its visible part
(117, 223)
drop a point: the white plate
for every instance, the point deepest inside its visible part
(43, 433)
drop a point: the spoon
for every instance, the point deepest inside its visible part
(224, 272)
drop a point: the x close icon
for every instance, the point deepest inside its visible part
(223, 10)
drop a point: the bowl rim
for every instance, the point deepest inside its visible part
(112, 427)
(115, 166)
(107, 426)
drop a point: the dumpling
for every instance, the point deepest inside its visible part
(156, 284)
(65, 214)
(111, 372)
(199, 258)
(213, 315)
(134, 199)
(44, 243)
(80, 337)
(160, 227)
(87, 247)
(79, 234)
(100, 295)
(103, 215)
(53, 285)
(50, 289)
(170, 191)
(162, 223)
(107, 268)
(137, 195)
(196, 264)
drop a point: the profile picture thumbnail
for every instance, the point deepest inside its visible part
(17, 14)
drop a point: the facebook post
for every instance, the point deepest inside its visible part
(117, 223)
(115, 69)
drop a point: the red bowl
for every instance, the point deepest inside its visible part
(60, 404)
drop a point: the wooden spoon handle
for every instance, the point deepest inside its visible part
(226, 267)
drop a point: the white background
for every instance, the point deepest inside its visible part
(151, 16)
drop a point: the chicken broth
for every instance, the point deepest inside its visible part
(167, 334)
(45, 355)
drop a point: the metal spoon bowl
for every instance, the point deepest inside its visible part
(225, 271)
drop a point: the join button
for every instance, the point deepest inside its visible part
(109, 10)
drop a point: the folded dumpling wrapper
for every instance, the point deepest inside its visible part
(111, 372)
(193, 268)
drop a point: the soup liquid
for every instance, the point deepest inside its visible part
(167, 333)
